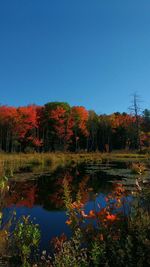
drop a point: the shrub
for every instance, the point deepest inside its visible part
(26, 239)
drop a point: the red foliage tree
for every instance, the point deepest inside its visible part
(27, 127)
(80, 118)
(63, 125)
(8, 122)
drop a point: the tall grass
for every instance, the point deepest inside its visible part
(11, 163)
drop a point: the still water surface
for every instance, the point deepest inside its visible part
(41, 198)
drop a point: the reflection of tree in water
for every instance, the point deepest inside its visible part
(22, 194)
(50, 194)
(47, 190)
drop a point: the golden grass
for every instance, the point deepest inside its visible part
(11, 163)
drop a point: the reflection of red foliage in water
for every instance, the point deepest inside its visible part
(24, 196)
(29, 200)
(69, 178)
(56, 198)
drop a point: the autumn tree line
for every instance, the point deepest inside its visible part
(57, 126)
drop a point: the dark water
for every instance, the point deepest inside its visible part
(41, 198)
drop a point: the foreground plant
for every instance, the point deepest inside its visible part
(138, 168)
(70, 252)
(26, 239)
(115, 235)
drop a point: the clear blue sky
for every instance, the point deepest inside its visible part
(91, 53)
